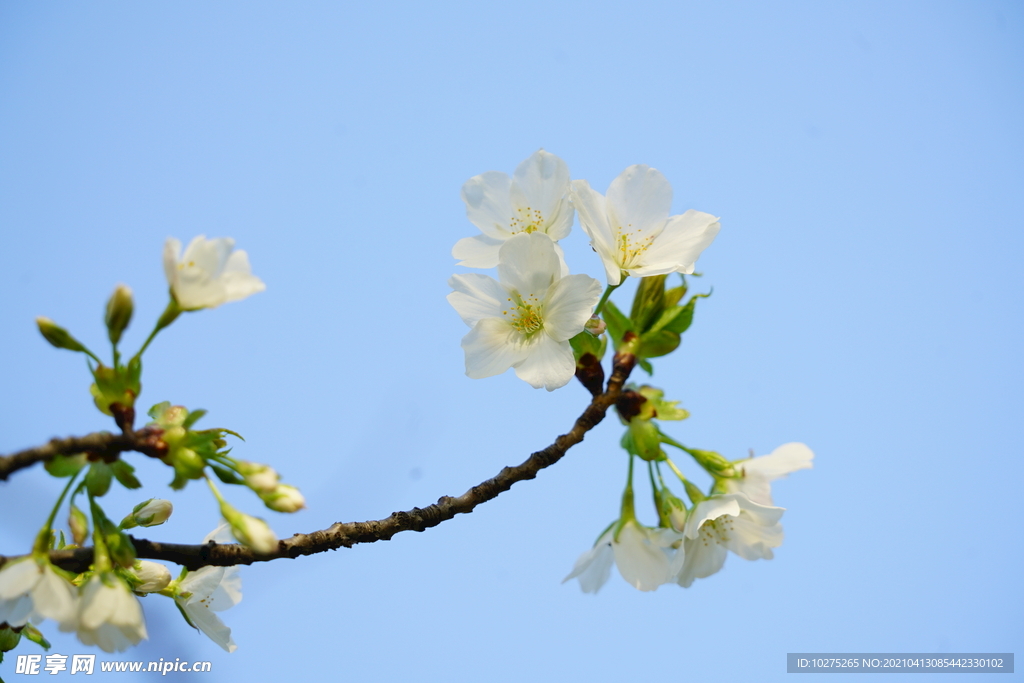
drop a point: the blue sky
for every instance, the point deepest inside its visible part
(867, 162)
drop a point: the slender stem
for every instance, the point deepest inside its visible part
(675, 469)
(166, 318)
(101, 555)
(43, 539)
(604, 297)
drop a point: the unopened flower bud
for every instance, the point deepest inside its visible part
(252, 532)
(152, 576)
(284, 498)
(152, 512)
(260, 478)
(595, 326)
(119, 312)
(79, 525)
(9, 638)
(714, 463)
(57, 335)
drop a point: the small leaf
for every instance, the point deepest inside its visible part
(98, 479)
(125, 474)
(65, 465)
(226, 475)
(193, 417)
(618, 324)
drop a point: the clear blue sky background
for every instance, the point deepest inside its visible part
(867, 161)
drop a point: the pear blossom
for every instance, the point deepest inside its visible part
(525, 320)
(756, 474)
(722, 523)
(109, 615)
(31, 590)
(641, 554)
(631, 230)
(535, 199)
(209, 590)
(209, 273)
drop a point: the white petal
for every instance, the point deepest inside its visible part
(18, 578)
(476, 297)
(210, 624)
(237, 278)
(488, 203)
(639, 199)
(710, 509)
(491, 347)
(172, 254)
(98, 604)
(222, 534)
(547, 363)
(529, 264)
(16, 611)
(753, 541)
(228, 592)
(785, 459)
(594, 220)
(642, 564)
(569, 305)
(540, 187)
(55, 598)
(679, 244)
(702, 560)
(594, 566)
(480, 251)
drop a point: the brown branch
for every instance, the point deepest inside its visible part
(97, 445)
(347, 534)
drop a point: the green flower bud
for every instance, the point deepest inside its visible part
(9, 638)
(58, 336)
(119, 312)
(152, 512)
(714, 463)
(149, 577)
(284, 498)
(79, 525)
(260, 478)
(595, 326)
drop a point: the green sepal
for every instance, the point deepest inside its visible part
(125, 474)
(122, 552)
(98, 478)
(584, 343)
(65, 465)
(226, 475)
(193, 417)
(618, 324)
(30, 632)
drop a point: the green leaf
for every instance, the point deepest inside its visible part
(658, 344)
(125, 474)
(618, 324)
(65, 465)
(646, 365)
(98, 479)
(649, 301)
(584, 343)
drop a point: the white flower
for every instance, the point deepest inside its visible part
(31, 590)
(152, 576)
(109, 615)
(209, 590)
(720, 523)
(524, 321)
(209, 273)
(640, 553)
(756, 474)
(631, 230)
(534, 200)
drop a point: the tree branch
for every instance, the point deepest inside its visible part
(97, 445)
(348, 534)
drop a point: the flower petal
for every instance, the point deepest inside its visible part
(528, 264)
(594, 566)
(702, 560)
(480, 251)
(237, 278)
(540, 187)
(787, 458)
(710, 509)
(679, 244)
(592, 208)
(570, 303)
(642, 564)
(547, 363)
(477, 297)
(491, 347)
(639, 199)
(488, 203)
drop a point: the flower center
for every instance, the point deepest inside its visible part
(716, 530)
(526, 219)
(526, 316)
(632, 245)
